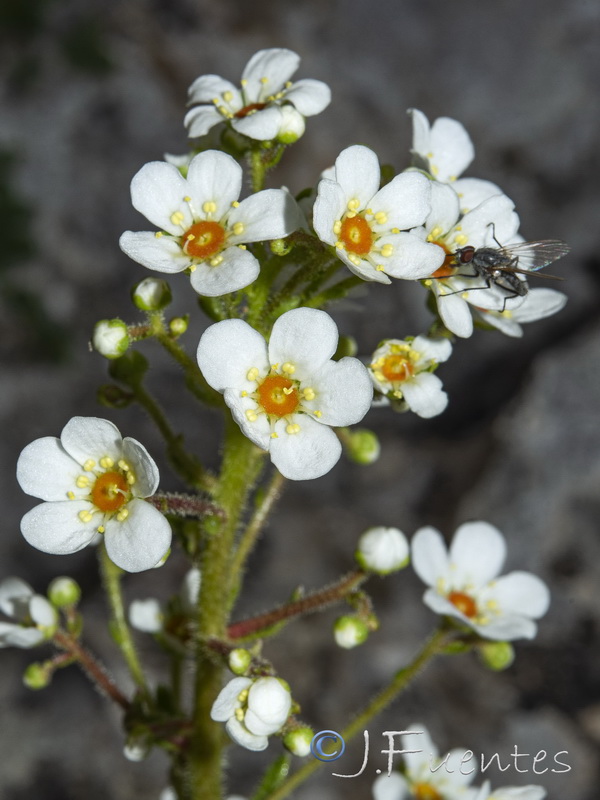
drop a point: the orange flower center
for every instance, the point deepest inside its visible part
(449, 266)
(356, 235)
(243, 112)
(465, 604)
(425, 791)
(397, 368)
(203, 239)
(278, 396)
(110, 491)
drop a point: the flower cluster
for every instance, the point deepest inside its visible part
(32, 618)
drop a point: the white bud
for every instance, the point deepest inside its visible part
(292, 125)
(298, 741)
(239, 660)
(151, 294)
(110, 338)
(64, 591)
(146, 615)
(349, 632)
(382, 550)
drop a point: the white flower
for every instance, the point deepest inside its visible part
(110, 338)
(464, 584)
(35, 620)
(148, 615)
(93, 482)
(256, 109)
(538, 304)
(368, 225)
(382, 550)
(287, 394)
(444, 149)
(457, 286)
(401, 370)
(419, 780)
(203, 226)
(511, 793)
(253, 710)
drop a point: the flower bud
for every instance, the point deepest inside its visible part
(151, 294)
(37, 676)
(292, 125)
(112, 396)
(179, 325)
(110, 338)
(496, 655)
(281, 247)
(382, 550)
(350, 632)
(136, 750)
(298, 741)
(239, 660)
(64, 592)
(362, 446)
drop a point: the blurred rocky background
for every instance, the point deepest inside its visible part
(93, 89)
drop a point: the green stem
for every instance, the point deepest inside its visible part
(111, 578)
(241, 465)
(258, 169)
(253, 530)
(397, 685)
(335, 292)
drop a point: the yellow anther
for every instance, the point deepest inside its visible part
(380, 268)
(209, 207)
(288, 84)
(158, 234)
(288, 368)
(354, 204)
(122, 464)
(238, 228)
(275, 366)
(264, 80)
(106, 462)
(398, 394)
(492, 605)
(190, 237)
(292, 429)
(192, 268)
(243, 695)
(187, 199)
(379, 376)
(337, 227)
(274, 435)
(461, 239)
(429, 155)
(381, 218)
(351, 214)
(122, 515)
(507, 313)
(387, 250)
(355, 260)
(251, 415)
(395, 230)
(465, 295)
(239, 714)
(216, 101)
(244, 82)
(308, 393)
(339, 245)
(130, 478)
(434, 170)
(288, 390)
(252, 374)
(235, 203)
(428, 282)
(435, 233)
(71, 495)
(177, 218)
(318, 414)
(452, 178)
(244, 393)
(82, 482)
(242, 247)
(89, 465)
(101, 529)
(85, 516)
(214, 262)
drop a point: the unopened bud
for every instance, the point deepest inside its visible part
(292, 125)
(281, 247)
(112, 396)
(349, 632)
(110, 338)
(298, 741)
(362, 446)
(37, 676)
(178, 325)
(239, 660)
(151, 294)
(64, 592)
(496, 655)
(382, 550)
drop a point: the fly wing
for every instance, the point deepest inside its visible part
(532, 256)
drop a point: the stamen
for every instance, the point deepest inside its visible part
(292, 429)
(209, 207)
(122, 515)
(106, 462)
(288, 368)
(177, 218)
(82, 482)
(89, 465)
(85, 516)
(252, 374)
(238, 228)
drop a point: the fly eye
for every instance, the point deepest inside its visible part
(466, 254)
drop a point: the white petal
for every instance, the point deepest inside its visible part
(495, 216)
(140, 541)
(267, 71)
(258, 431)
(207, 88)
(213, 177)
(160, 253)
(429, 556)
(329, 207)
(421, 132)
(146, 615)
(438, 350)
(440, 604)
(522, 593)
(270, 214)
(157, 192)
(412, 258)
(364, 269)
(444, 207)
(358, 173)
(539, 303)
(42, 612)
(16, 636)
(305, 455)
(309, 97)
(473, 191)
(478, 550)
(242, 736)
(425, 395)
(55, 527)
(227, 699)
(46, 471)
(227, 351)
(419, 741)
(343, 392)
(506, 325)
(452, 149)
(519, 793)
(390, 787)
(190, 590)
(200, 120)
(454, 311)
(269, 705)
(405, 200)
(91, 437)
(261, 125)
(238, 269)
(507, 628)
(306, 337)
(143, 466)
(15, 595)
